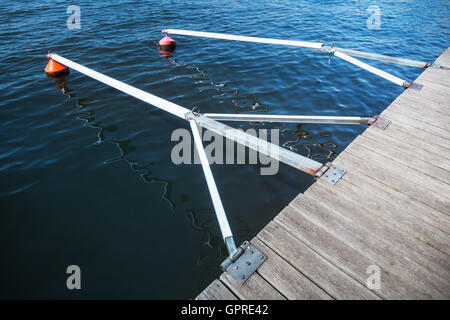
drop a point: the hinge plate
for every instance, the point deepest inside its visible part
(439, 66)
(381, 123)
(247, 263)
(333, 174)
(415, 86)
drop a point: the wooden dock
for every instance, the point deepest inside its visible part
(390, 210)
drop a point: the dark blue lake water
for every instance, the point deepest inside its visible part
(86, 176)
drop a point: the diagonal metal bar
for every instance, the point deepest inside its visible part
(312, 45)
(290, 119)
(295, 160)
(380, 57)
(215, 197)
(305, 44)
(378, 72)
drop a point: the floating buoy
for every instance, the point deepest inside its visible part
(54, 68)
(167, 44)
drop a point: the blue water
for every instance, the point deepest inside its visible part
(85, 171)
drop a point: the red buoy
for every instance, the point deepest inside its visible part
(54, 68)
(167, 44)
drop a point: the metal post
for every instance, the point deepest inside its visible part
(215, 197)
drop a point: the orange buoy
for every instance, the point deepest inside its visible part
(54, 68)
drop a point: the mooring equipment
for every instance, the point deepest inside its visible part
(344, 54)
(245, 259)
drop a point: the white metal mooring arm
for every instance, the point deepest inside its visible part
(290, 119)
(378, 72)
(293, 159)
(341, 53)
(305, 44)
(305, 164)
(215, 197)
(312, 45)
(163, 104)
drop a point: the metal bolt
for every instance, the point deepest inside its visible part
(252, 252)
(261, 257)
(236, 267)
(242, 277)
(248, 263)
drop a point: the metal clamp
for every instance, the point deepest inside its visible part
(413, 85)
(243, 262)
(331, 173)
(379, 122)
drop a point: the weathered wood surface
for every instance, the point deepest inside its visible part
(390, 210)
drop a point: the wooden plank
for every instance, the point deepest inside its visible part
(433, 119)
(422, 181)
(423, 105)
(285, 278)
(444, 59)
(417, 124)
(343, 256)
(387, 138)
(383, 253)
(396, 181)
(436, 76)
(216, 291)
(434, 88)
(254, 288)
(404, 158)
(429, 109)
(334, 281)
(420, 138)
(441, 88)
(373, 216)
(412, 213)
(427, 95)
(442, 81)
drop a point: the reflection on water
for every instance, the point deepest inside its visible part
(124, 147)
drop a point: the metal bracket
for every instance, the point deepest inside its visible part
(437, 66)
(243, 262)
(333, 174)
(380, 122)
(413, 85)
